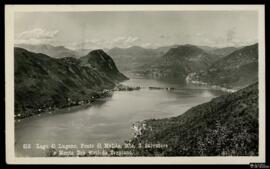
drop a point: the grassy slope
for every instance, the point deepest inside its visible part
(235, 70)
(42, 82)
(227, 125)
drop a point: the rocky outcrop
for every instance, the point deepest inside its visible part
(103, 63)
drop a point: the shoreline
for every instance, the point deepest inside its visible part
(107, 93)
(189, 80)
(54, 109)
(138, 127)
(71, 104)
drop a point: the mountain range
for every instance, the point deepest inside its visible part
(43, 83)
(228, 67)
(225, 126)
(224, 51)
(236, 70)
(50, 50)
(200, 64)
(102, 63)
(133, 57)
(178, 62)
(125, 58)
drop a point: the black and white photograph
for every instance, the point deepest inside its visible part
(92, 82)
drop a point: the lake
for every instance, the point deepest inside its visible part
(108, 120)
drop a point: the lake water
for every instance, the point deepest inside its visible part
(108, 120)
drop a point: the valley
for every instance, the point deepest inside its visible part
(171, 91)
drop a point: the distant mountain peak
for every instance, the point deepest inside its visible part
(101, 61)
(99, 54)
(184, 50)
(50, 50)
(178, 62)
(97, 51)
(19, 49)
(136, 47)
(187, 47)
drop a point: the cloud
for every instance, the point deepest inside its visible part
(128, 41)
(231, 34)
(120, 41)
(36, 35)
(87, 44)
(125, 41)
(230, 38)
(164, 36)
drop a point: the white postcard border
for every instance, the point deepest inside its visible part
(9, 86)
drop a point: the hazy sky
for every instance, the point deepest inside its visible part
(148, 29)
